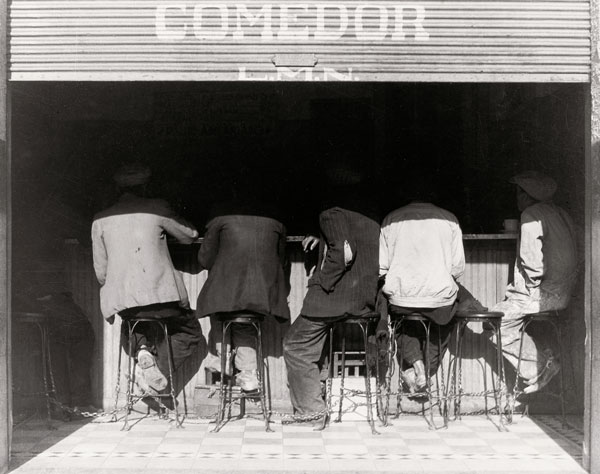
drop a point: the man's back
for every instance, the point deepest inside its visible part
(131, 258)
(244, 255)
(547, 252)
(339, 286)
(421, 254)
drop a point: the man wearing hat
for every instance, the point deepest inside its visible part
(344, 283)
(544, 274)
(137, 277)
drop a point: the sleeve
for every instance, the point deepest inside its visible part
(178, 227)
(282, 246)
(336, 233)
(100, 255)
(458, 252)
(210, 245)
(531, 258)
(384, 257)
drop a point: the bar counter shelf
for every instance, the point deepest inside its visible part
(497, 236)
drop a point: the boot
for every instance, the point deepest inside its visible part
(420, 376)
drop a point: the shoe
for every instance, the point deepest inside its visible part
(409, 380)
(212, 363)
(548, 372)
(142, 384)
(420, 377)
(153, 377)
(247, 380)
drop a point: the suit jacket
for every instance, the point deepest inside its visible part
(345, 281)
(131, 258)
(245, 257)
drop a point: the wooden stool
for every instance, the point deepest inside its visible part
(494, 319)
(395, 328)
(131, 398)
(367, 324)
(226, 390)
(40, 321)
(552, 318)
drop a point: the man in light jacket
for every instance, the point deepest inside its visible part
(137, 278)
(421, 256)
(544, 275)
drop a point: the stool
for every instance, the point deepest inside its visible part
(494, 319)
(131, 399)
(395, 327)
(226, 390)
(367, 324)
(551, 317)
(40, 320)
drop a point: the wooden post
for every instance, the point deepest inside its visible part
(591, 448)
(5, 375)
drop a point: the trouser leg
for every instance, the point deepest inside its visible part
(512, 322)
(244, 341)
(410, 341)
(302, 351)
(439, 337)
(185, 333)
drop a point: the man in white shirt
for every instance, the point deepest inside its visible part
(421, 255)
(544, 275)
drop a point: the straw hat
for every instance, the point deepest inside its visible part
(536, 184)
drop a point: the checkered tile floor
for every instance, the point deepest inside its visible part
(472, 445)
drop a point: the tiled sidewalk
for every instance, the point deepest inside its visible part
(472, 445)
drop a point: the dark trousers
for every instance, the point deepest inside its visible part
(413, 337)
(182, 325)
(305, 359)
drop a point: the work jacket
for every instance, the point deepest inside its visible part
(131, 258)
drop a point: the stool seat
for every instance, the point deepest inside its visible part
(226, 393)
(455, 388)
(130, 395)
(412, 316)
(396, 328)
(368, 317)
(551, 317)
(366, 323)
(26, 317)
(543, 315)
(479, 315)
(242, 319)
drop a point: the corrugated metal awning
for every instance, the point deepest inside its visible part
(502, 41)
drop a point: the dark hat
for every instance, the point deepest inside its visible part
(132, 174)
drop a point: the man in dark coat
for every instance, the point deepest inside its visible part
(245, 256)
(344, 283)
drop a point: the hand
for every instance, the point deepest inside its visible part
(309, 243)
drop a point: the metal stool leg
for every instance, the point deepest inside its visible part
(178, 421)
(260, 374)
(500, 387)
(222, 392)
(339, 417)
(130, 374)
(390, 370)
(399, 359)
(49, 392)
(365, 331)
